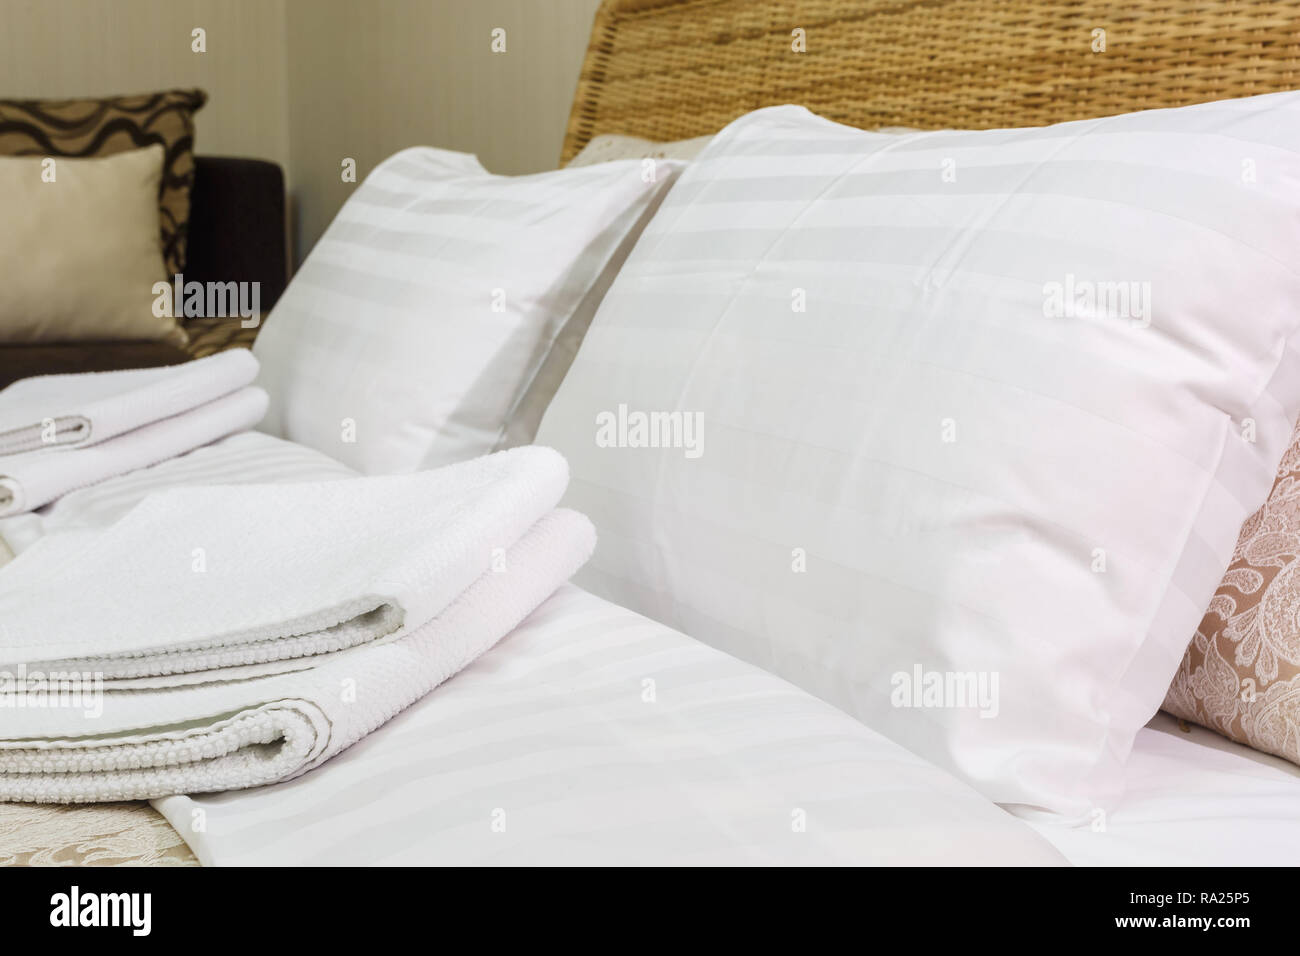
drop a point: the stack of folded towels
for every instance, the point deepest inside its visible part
(219, 637)
(59, 433)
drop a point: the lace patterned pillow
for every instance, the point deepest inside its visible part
(1241, 673)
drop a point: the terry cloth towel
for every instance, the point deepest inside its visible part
(35, 478)
(56, 412)
(242, 635)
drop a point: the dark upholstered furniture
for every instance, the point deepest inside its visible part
(237, 234)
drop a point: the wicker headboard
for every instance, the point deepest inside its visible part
(672, 69)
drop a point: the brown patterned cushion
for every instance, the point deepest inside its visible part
(103, 127)
(211, 335)
(1241, 674)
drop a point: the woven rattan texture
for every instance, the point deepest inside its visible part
(672, 69)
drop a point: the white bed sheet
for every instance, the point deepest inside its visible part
(1193, 798)
(592, 735)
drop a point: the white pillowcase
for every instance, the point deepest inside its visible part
(916, 448)
(419, 322)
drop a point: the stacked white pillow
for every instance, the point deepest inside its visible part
(962, 425)
(419, 330)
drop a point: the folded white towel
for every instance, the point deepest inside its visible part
(32, 479)
(252, 457)
(51, 412)
(231, 676)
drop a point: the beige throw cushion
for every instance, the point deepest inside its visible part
(79, 249)
(111, 125)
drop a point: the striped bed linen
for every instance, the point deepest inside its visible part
(592, 735)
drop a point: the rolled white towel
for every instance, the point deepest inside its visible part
(59, 412)
(35, 478)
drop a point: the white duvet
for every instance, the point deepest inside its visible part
(592, 735)
(1193, 798)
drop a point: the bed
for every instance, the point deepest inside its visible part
(741, 775)
(553, 727)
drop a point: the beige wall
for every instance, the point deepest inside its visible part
(307, 83)
(55, 48)
(367, 79)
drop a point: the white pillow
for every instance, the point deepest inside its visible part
(906, 441)
(419, 321)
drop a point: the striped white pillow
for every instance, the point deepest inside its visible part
(421, 325)
(955, 419)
